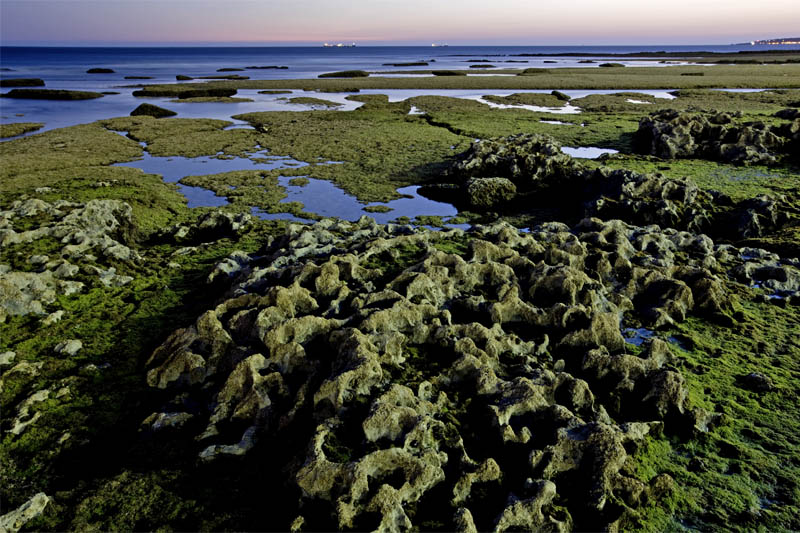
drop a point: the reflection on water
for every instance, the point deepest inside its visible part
(637, 336)
(326, 199)
(563, 110)
(587, 152)
(318, 196)
(174, 168)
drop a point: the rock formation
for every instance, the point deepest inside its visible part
(426, 370)
(670, 134)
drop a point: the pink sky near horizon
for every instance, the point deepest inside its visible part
(501, 22)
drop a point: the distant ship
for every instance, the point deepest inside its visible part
(436, 44)
(339, 45)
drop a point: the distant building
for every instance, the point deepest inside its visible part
(784, 40)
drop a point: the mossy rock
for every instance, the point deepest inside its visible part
(22, 82)
(611, 65)
(345, 74)
(275, 91)
(482, 66)
(561, 96)
(534, 71)
(377, 209)
(51, 94)
(313, 102)
(267, 67)
(448, 73)
(100, 71)
(152, 111)
(300, 181)
(211, 99)
(412, 64)
(230, 69)
(12, 130)
(181, 77)
(183, 93)
(338, 90)
(225, 77)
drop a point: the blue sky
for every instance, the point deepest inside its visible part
(500, 22)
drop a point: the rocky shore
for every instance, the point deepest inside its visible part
(606, 349)
(420, 372)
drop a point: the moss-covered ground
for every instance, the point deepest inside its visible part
(743, 475)
(18, 128)
(670, 77)
(86, 449)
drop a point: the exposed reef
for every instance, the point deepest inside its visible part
(345, 74)
(671, 134)
(94, 237)
(21, 82)
(522, 172)
(18, 128)
(152, 111)
(448, 380)
(51, 94)
(183, 92)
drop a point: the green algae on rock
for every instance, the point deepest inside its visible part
(18, 128)
(377, 209)
(21, 82)
(534, 99)
(410, 351)
(51, 94)
(185, 91)
(314, 103)
(152, 111)
(212, 99)
(299, 182)
(670, 134)
(345, 74)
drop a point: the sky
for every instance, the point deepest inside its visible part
(381, 22)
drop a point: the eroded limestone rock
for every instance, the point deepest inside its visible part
(415, 379)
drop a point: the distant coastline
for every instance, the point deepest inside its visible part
(782, 40)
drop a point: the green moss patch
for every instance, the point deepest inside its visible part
(212, 99)
(18, 128)
(534, 99)
(744, 474)
(185, 137)
(628, 78)
(381, 149)
(377, 209)
(21, 82)
(314, 103)
(50, 94)
(345, 74)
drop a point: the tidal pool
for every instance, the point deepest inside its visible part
(174, 168)
(326, 199)
(637, 336)
(317, 196)
(587, 152)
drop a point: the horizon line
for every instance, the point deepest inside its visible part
(91, 44)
